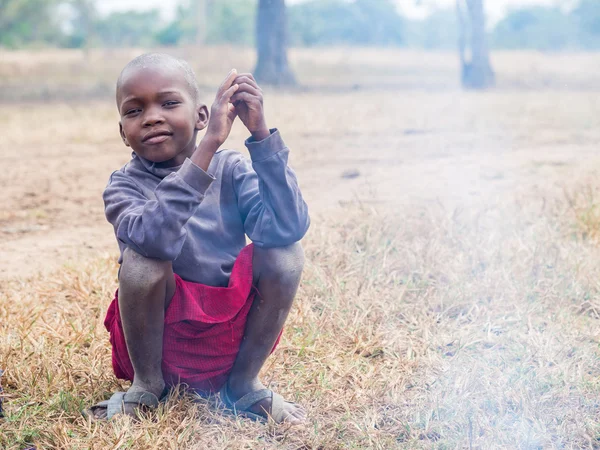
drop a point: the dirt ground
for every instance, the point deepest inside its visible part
(389, 132)
(382, 140)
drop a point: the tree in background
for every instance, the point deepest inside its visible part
(83, 23)
(439, 30)
(476, 71)
(226, 21)
(587, 17)
(76, 23)
(232, 21)
(201, 21)
(182, 30)
(537, 27)
(129, 28)
(24, 22)
(272, 66)
(331, 22)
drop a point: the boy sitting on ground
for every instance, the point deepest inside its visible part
(195, 305)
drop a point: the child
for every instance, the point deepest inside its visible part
(195, 305)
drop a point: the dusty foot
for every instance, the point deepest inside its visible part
(293, 414)
(100, 413)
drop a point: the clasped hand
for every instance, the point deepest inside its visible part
(238, 96)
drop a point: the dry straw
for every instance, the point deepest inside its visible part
(431, 329)
(428, 327)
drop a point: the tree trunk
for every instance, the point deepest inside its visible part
(476, 72)
(272, 66)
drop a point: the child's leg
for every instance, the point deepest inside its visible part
(146, 287)
(277, 273)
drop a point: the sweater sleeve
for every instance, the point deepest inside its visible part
(269, 199)
(155, 227)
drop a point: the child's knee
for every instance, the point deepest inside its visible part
(282, 263)
(143, 274)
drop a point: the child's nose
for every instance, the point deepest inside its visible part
(153, 117)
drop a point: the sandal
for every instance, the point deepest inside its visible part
(241, 407)
(116, 404)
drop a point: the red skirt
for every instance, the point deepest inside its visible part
(204, 327)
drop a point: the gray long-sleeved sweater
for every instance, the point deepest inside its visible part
(199, 221)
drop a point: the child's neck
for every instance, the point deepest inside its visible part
(179, 159)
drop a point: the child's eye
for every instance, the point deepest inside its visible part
(130, 112)
(171, 103)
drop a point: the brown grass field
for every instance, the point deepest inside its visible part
(451, 297)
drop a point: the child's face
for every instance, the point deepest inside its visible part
(159, 116)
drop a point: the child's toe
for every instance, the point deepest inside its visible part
(295, 413)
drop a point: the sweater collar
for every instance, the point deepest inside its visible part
(154, 168)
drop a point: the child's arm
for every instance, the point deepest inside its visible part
(155, 227)
(269, 197)
(222, 116)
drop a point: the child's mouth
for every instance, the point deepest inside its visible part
(157, 139)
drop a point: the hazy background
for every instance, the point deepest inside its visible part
(450, 297)
(537, 24)
(411, 8)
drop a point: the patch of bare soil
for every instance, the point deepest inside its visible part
(375, 147)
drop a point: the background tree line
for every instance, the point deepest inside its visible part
(76, 23)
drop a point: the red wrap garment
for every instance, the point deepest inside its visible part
(204, 327)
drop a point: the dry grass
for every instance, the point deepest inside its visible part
(440, 329)
(450, 301)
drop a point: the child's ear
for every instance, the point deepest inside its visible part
(122, 133)
(202, 116)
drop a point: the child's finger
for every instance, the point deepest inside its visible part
(247, 78)
(249, 75)
(245, 87)
(231, 111)
(227, 82)
(226, 96)
(245, 97)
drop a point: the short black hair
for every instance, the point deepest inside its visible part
(163, 60)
